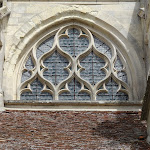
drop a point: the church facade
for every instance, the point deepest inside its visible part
(76, 56)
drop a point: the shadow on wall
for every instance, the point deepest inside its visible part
(135, 36)
(135, 33)
(85, 130)
(122, 131)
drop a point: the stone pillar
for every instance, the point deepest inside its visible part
(148, 129)
(145, 15)
(1, 74)
(147, 34)
(148, 48)
(3, 24)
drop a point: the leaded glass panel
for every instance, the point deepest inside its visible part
(74, 66)
(74, 92)
(36, 92)
(120, 70)
(27, 72)
(29, 64)
(55, 65)
(102, 47)
(25, 75)
(45, 46)
(92, 65)
(74, 44)
(112, 93)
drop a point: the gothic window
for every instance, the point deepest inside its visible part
(74, 64)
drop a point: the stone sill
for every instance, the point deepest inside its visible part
(74, 106)
(77, 1)
(72, 103)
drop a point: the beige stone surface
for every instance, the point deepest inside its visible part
(118, 22)
(28, 21)
(124, 13)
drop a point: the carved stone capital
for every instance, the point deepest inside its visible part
(4, 11)
(141, 13)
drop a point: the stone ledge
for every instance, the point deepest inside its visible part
(78, 1)
(71, 103)
(73, 106)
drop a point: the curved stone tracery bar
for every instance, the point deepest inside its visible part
(74, 65)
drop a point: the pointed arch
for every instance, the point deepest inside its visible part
(47, 22)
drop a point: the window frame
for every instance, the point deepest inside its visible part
(100, 35)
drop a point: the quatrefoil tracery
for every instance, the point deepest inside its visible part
(74, 65)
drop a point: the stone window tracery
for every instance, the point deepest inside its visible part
(74, 64)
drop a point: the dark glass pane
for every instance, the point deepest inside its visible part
(121, 73)
(112, 94)
(92, 65)
(36, 94)
(45, 46)
(74, 45)
(122, 76)
(27, 73)
(25, 76)
(29, 64)
(56, 72)
(118, 64)
(102, 47)
(74, 94)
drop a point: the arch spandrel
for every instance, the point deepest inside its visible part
(25, 40)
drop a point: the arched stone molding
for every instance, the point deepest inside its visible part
(49, 20)
(59, 13)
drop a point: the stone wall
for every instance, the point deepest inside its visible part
(124, 13)
(146, 31)
(148, 27)
(28, 20)
(71, 129)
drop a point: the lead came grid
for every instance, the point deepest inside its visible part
(45, 46)
(112, 94)
(121, 73)
(74, 45)
(74, 94)
(102, 47)
(55, 64)
(92, 65)
(27, 73)
(36, 93)
(56, 73)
